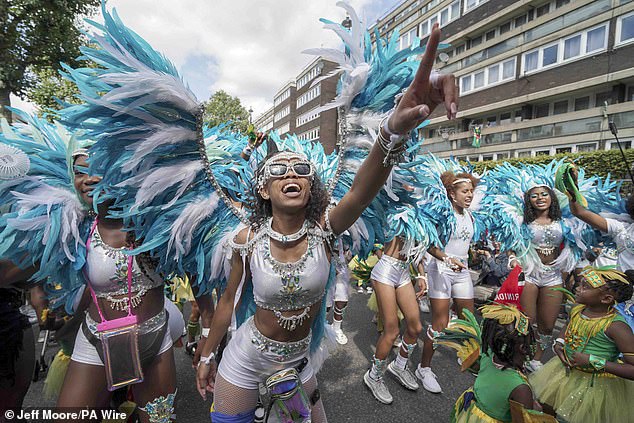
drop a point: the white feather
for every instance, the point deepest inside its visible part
(184, 226)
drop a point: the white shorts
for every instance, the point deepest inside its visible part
(391, 271)
(444, 283)
(250, 357)
(545, 278)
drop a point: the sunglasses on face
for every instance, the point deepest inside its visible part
(541, 194)
(278, 170)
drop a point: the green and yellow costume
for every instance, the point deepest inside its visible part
(583, 394)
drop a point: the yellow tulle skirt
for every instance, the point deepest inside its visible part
(578, 397)
(56, 374)
(472, 414)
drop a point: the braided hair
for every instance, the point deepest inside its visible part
(503, 341)
(619, 290)
(530, 214)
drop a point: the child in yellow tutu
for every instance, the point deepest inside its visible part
(587, 382)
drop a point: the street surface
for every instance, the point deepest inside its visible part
(345, 396)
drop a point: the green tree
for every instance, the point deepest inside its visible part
(36, 35)
(221, 107)
(49, 86)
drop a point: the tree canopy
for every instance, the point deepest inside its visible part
(221, 107)
(35, 36)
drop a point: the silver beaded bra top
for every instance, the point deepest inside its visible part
(289, 286)
(547, 238)
(107, 270)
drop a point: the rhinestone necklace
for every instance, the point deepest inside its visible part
(285, 238)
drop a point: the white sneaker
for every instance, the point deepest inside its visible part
(360, 290)
(533, 366)
(397, 343)
(404, 376)
(341, 337)
(428, 378)
(369, 290)
(378, 388)
(423, 304)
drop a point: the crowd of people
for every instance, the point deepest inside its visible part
(130, 204)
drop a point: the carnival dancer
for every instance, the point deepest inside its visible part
(496, 349)
(161, 177)
(51, 208)
(587, 382)
(526, 217)
(394, 291)
(452, 192)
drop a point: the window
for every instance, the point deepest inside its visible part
(312, 74)
(478, 80)
(455, 10)
(561, 3)
(523, 154)
(505, 118)
(424, 29)
(583, 148)
(460, 49)
(284, 128)
(549, 56)
(517, 116)
(282, 113)
(312, 94)
(542, 10)
(465, 84)
(408, 39)
(572, 47)
(625, 144)
(307, 117)
(312, 134)
(520, 20)
(582, 103)
(602, 98)
(490, 35)
(630, 93)
(487, 157)
(494, 74)
(501, 156)
(541, 110)
(625, 29)
(279, 99)
(472, 4)
(562, 150)
(560, 107)
(475, 41)
(542, 152)
(487, 77)
(491, 121)
(596, 39)
(530, 61)
(578, 45)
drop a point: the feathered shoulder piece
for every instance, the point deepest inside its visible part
(45, 224)
(155, 154)
(505, 207)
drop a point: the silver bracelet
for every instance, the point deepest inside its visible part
(558, 341)
(205, 333)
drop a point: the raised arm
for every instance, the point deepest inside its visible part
(591, 218)
(418, 102)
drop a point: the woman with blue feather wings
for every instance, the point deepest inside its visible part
(531, 218)
(157, 169)
(52, 229)
(452, 201)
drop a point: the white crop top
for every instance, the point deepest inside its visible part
(458, 244)
(107, 270)
(289, 286)
(546, 238)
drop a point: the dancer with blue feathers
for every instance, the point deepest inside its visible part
(181, 202)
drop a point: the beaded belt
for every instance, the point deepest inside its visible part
(153, 323)
(281, 350)
(396, 263)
